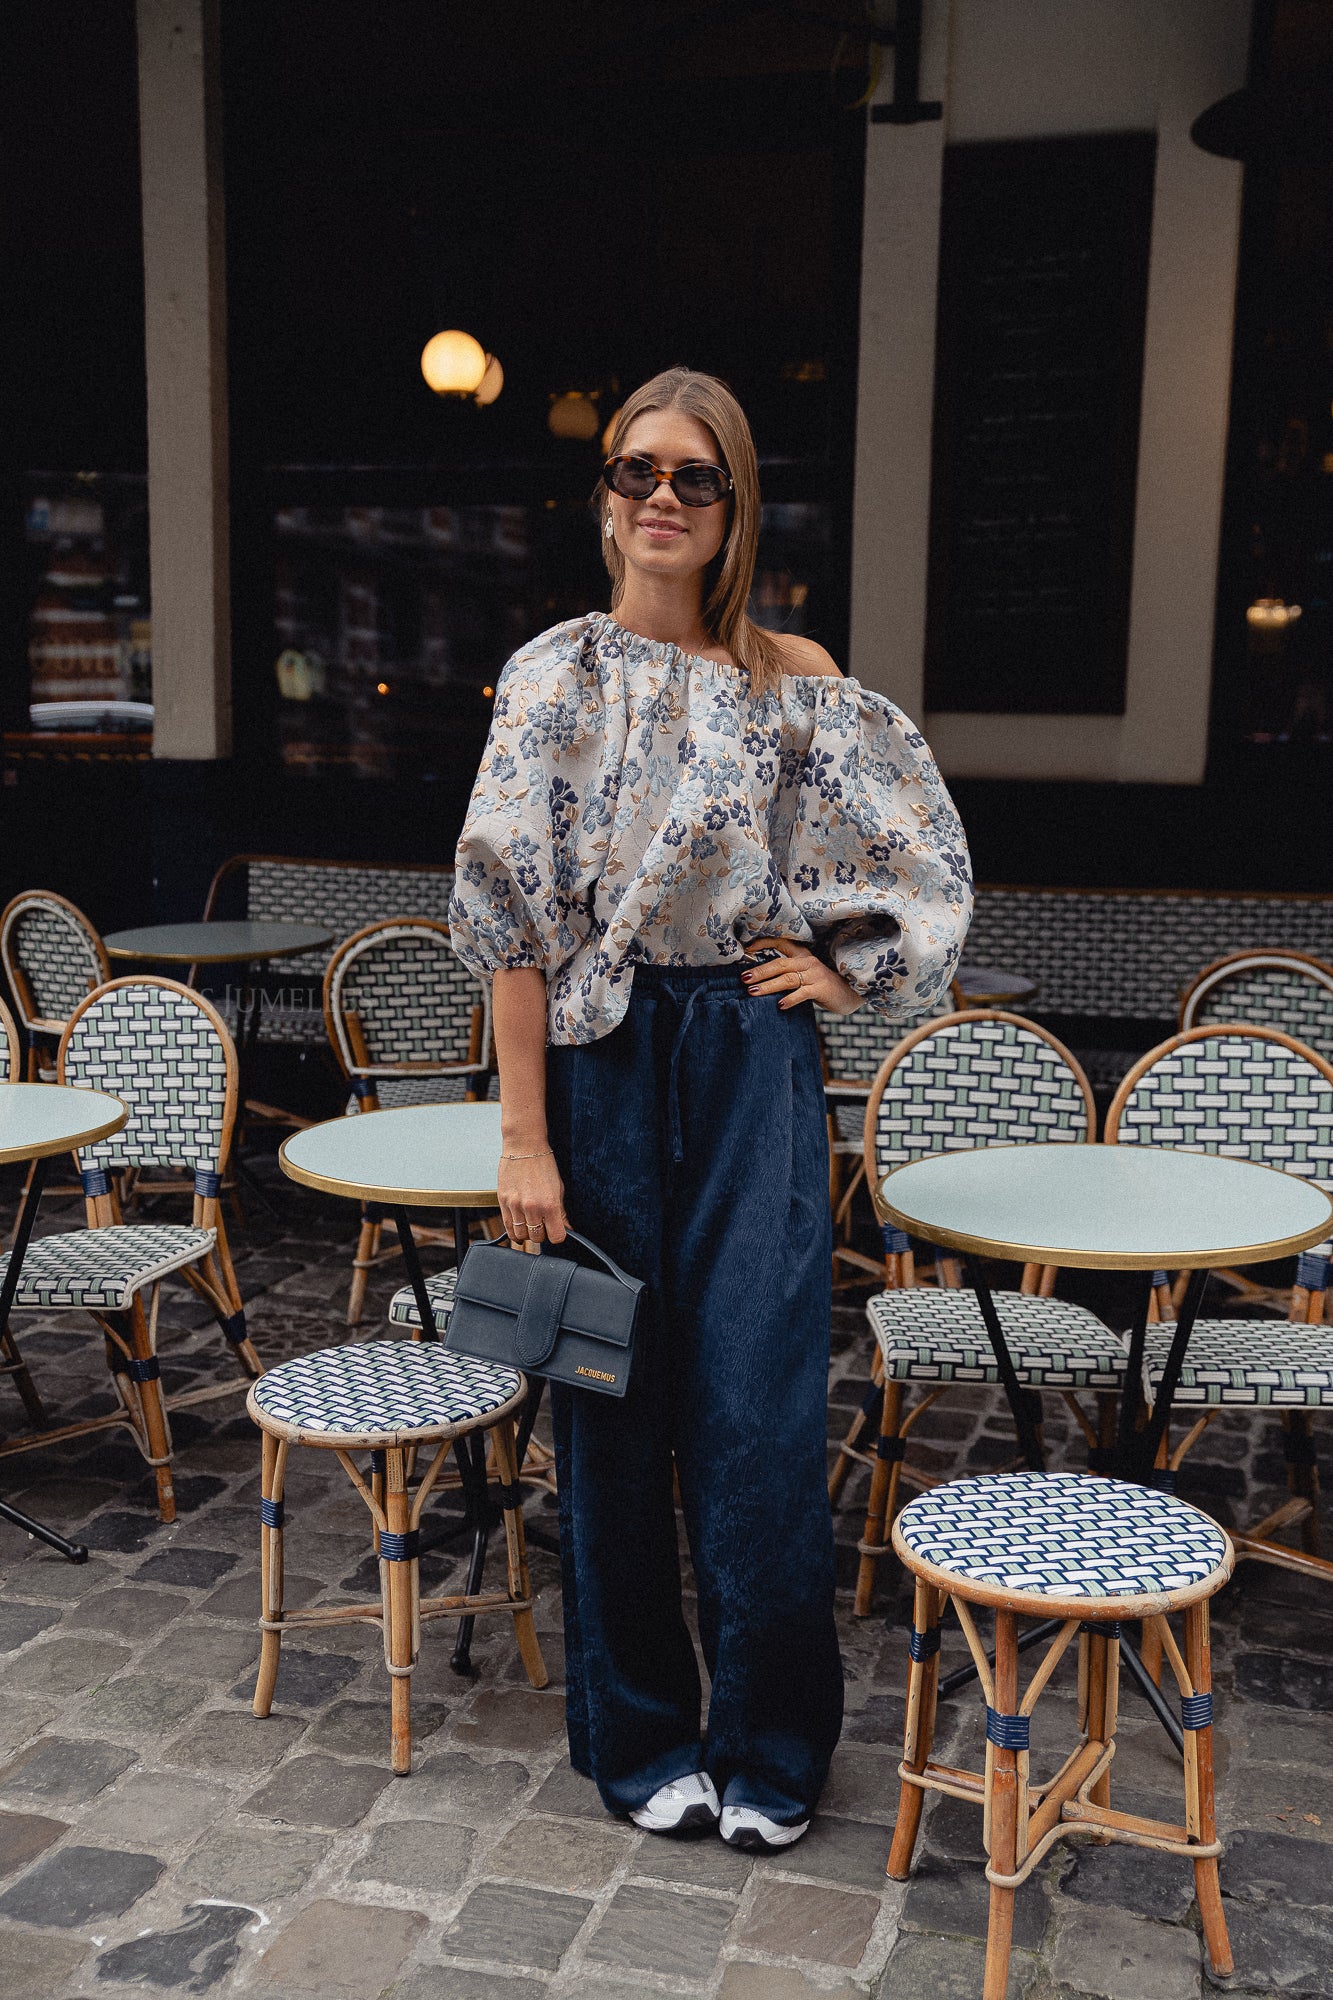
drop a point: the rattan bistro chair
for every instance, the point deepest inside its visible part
(11, 1057)
(53, 959)
(1287, 990)
(978, 1078)
(1250, 1094)
(409, 1024)
(1089, 1552)
(165, 1052)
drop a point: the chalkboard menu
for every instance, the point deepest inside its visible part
(1039, 365)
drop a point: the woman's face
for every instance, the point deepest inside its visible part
(658, 535)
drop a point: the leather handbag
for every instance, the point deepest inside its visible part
(547, 1315)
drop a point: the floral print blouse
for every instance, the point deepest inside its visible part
(638, 805)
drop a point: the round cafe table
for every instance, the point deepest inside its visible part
(1110, 1208)
(420, 1156)
(989, 986)
(37, 1121)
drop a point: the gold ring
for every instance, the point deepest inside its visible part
(800, 978)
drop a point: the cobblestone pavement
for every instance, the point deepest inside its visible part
(154, 1836)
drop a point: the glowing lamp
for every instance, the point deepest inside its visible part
(609, 433)
(491, 382)
(454, 364)
(572, 415)
(1270, 614)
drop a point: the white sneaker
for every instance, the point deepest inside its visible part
(748, 1828)
(686, 1805)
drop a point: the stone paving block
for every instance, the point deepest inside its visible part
(320, 1791)
(1133, 1878)
(1283, 1735)
(190, 1957)
(68, 1887)
(60, 1666)
(33, 1964)
(360, 1728)
(64, 1771)
(23, 1836)
(1115, 1956)
(21, 1622)
(233, 1741)
(121, 1533)
(1279, 1798)
(660, 1931)
(954, 1828)
(878, 1721)
(1281, 1951)
(1261, 1867)
(954, 1897)
(454, 1982)
(743, 1979)
(162, 1812)
(21, 1716)
(836, 1850)
(254, 1864)
(307, 1680)
(196, 1651)
(49, 1579)
(338, 1949)
(704, 1864)
(449, 1786)
(567, 1792)
(559, 1854)
(407, 1854)
(127, 1610)
(863, 1784)
(238, 1597)
(1284, 1681)
(516, 1926)
(511, 1719)
(141, 1705)
(190, 1567)
(796, 1920)
(936, 1968)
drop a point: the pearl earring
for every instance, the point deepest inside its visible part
(608, 531)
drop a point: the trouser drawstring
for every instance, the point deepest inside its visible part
(673, 1081)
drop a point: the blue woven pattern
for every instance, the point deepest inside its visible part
(56, 955)
(102, 1269)
(413, 997)
(856, 1045)
(1237, 1095)
(159, 1052)
(1111, 952)
(1249, 1364)
(382, 1387)
(440, 1291)
(1060, 1535)
(926, 1335)
(977, 1083)
(1269, 990)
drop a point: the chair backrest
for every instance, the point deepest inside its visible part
(165, 1052)
(397, 998)
(11, 1059)
(1247, 1093)
(1287, 990)
(53, 958)
(979, 1078)
(344, 896)
(856, 1046)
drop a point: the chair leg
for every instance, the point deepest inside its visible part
(1199, 1814)
(13, 1365)
(273, 1470)
(868, 1413)
(367, 1249)
(1303, 1473)
(1003, 1809)
(153, 1410)
(400, 1601)
(516, 1549)
(1150, 1650)
(1103, 1699)
(883, 1495)
(922, 1687)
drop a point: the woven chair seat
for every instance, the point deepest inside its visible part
(102, 1269)
(1060, 1535)
(439, 1290)
(395, 1090)
(1249, 1364)
(929, 1335)
(384, 1389)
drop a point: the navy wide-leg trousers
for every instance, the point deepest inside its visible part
(693, 1145)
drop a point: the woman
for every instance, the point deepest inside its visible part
(665, 790)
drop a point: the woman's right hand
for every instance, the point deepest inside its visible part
(532, 1200)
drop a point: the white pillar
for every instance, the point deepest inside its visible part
(180, 144)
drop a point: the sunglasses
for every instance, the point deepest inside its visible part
(695, 485)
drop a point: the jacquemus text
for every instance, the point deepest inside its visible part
(595, 1374)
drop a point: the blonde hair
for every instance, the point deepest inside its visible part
(729, 576)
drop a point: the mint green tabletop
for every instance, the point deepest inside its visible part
(38, 1119)
(414, 1156)
(990, 986)
(217, 944)
(1130, 1208)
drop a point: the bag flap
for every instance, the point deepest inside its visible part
(596, 1305)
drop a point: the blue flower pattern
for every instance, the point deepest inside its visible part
(637, 804)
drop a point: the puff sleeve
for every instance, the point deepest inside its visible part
(527, 855)
(878, 862)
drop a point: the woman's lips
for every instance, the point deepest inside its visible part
(660, 531)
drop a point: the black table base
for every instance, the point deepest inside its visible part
(72, 1551)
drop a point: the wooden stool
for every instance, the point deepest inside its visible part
(389, 1398)
(1089, 1552)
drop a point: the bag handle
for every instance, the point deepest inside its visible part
(629, 1283)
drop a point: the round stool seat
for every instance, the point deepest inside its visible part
(381, 1393)
(1034, 1541)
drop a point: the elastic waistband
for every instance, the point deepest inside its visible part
(727, 973)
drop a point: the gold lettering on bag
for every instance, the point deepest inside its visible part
(595, 1374)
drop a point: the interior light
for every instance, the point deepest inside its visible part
(491, 382)
(454, 364)
(382, 687)
(572, 415)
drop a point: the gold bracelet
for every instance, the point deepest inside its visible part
(539, 1154)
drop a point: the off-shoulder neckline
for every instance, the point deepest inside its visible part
(672, 651)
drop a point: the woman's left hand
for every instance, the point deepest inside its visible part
(799, 976)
